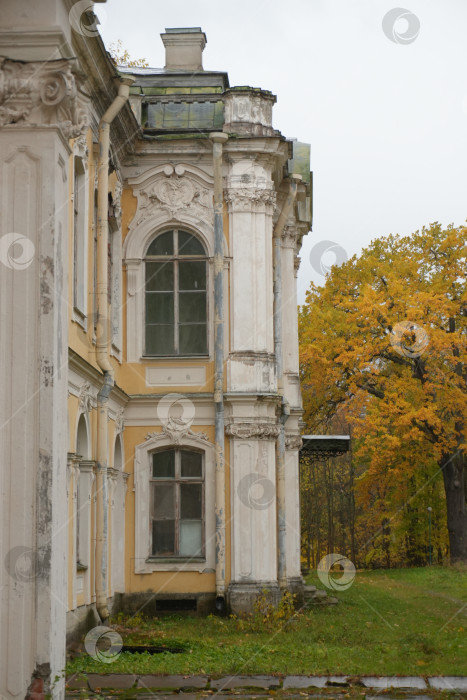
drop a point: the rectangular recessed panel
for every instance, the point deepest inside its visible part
(175, 376)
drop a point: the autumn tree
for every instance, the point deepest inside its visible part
(121, 57)
(385, 337)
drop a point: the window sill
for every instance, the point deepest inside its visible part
(171, 358)
(80, 318)
(176, 560)
(153, 565)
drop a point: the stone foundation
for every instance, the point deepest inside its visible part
(241, 597)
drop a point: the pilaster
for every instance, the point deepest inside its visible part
(40, 109)
(250, 199)
(252, 429)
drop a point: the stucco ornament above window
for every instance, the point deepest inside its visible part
(42, 93)
(173, 192)
(177, 433)
(176, 414)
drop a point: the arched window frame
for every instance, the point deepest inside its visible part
(176, 263)
(150, 219)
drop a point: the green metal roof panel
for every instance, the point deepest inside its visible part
(170, 116)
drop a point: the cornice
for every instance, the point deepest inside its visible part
(253, 431)
(88, 372)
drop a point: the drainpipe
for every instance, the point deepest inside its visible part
(218, 138)
(285, 410)
(103, 345)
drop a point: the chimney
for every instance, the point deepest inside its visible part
(184, 48)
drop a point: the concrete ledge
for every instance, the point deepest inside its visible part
(341, 681)
(228, 682)
(300, 682)
(121, 681)
(77, 681)
(394, 682)
(113, 681)
(448, 682)
(172, 682)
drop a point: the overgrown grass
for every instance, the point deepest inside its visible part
(397, 622)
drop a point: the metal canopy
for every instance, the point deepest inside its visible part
(323, 446)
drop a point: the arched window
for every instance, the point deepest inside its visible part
(177, 503)
(82, 449)
(80, 233)
(176, 295)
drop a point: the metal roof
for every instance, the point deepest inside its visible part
(323, 446)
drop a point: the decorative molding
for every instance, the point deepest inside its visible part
(290, 237)
(42, 93)
(177, 431)
(174, 192)
(119, 421)
(85, 398)
(253, 431)
(81, 150)
(248, 199)
(293, 377)
(72, 469)
(117, 202)
(132, 269)
(296, 263)
(251, 356)
(293, 442)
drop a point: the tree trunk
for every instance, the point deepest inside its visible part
(453, 469)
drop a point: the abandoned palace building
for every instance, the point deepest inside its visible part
(150, 427)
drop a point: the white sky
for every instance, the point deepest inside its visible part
(387, 122)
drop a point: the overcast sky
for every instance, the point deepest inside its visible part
(387, 121)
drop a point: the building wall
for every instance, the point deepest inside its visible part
(53, 382)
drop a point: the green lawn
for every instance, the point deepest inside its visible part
(398, 622)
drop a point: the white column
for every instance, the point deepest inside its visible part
(40, 112)
(250, 197)
(292, 513)
(290, 317)
(252, 430)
